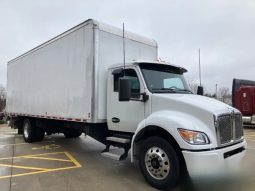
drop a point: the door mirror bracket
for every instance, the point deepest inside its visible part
(145, 97)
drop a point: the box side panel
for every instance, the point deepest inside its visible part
(253, 100)
(110, 51)
(54, 80)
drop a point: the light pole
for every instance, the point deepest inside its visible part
(216, 91)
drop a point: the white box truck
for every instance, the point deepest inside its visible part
(76, 83)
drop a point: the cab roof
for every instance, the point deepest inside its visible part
(156, 63)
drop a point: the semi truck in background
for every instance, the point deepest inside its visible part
(243, 98)
(77, 83)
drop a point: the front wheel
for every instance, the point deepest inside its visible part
(159, 163)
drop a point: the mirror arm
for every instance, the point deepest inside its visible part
(144, 98)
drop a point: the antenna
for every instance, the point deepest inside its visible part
(199, 66)
(124, 51)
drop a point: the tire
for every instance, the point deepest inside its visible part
(28, 133)
(72, 134)
(31, 133)
(39, 134)
(159, 163)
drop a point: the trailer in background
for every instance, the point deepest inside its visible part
(243, 98)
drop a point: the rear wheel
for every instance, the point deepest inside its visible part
(72, 134)
(159, 163)
(39, 134)
(31, 133)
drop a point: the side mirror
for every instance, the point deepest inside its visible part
(200, 90)
(124, 89)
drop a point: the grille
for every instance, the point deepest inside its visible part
(225, 128)
(230, 128)
(238, 127)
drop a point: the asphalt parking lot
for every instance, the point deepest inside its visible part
(76, 165)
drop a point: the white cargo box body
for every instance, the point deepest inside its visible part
(66, 77)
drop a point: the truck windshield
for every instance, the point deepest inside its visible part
(164, 78)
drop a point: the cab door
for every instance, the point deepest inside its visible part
(126, 115)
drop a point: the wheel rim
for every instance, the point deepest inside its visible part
(26, 130)
(157, 163)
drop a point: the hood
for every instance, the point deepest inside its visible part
(198, 110)
(191, 102)
(189, 111)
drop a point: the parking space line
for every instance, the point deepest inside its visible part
(34, 155)
(5, 145)
(7, 130)
(38, 172)
(63, 168)
(5, 136)
(23, 167)
(47, 147)
(71, 159)
(22, 174)
(45, 158)
(13, 144)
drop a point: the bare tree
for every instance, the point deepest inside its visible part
(193, 85)
(2, 97)
(224, 93)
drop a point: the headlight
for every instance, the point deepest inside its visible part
(194, 137)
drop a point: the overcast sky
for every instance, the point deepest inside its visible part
(224, 30)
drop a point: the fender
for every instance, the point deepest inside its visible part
(171, 121)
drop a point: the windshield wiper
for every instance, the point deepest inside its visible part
(163, 90)
(185, 90)
(170, 90)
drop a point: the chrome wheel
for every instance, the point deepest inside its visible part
(157, 163)
(32, 133)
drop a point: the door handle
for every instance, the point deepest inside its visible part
(115, 120)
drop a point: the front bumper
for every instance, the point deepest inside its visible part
(213, 162)
(249, 119)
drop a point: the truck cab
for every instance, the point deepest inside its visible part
(243, 98)
(171, 128)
